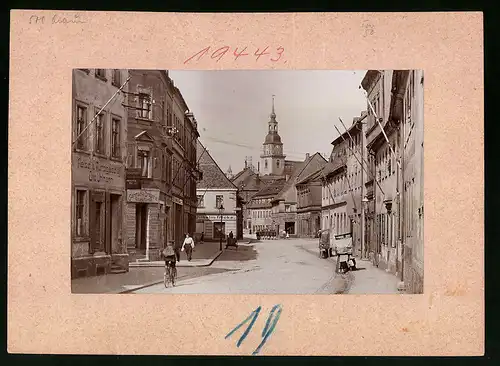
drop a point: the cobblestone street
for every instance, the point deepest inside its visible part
(280, 267)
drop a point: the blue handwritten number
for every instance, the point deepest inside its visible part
(266, 332)
(269, 328)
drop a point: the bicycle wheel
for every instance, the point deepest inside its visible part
(166, 277)
(173, 275)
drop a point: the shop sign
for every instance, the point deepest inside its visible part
(218, 217)
(143, 195)
(177, 201)
(96, 170)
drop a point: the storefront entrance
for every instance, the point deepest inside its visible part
(290, 227)
(141, 224)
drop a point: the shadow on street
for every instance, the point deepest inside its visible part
(244, 253)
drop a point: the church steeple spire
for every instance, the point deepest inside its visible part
(273, 114)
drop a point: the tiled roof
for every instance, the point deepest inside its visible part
(333, 166)
(298, 173)
(271, 189)
(312, 177)
(213, 176)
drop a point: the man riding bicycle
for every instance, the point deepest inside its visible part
(168, 255)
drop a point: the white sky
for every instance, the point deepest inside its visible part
(234, 107)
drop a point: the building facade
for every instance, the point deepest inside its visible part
(161, 164)
(98, 172)
(334, 213)
(261, 209)
(412, 208)
(284, 203)
(309, 192)
(217, 200)
(377, 85)
(349, 149)
(397, 164)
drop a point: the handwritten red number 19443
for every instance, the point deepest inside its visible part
(274, 54)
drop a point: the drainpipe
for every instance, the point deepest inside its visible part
(147, 232)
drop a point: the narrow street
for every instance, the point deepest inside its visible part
(268, 267)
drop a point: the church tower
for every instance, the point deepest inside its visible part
(272, 160)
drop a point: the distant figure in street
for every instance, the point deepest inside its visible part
(231, 234)
(287, 235)
(202, 238)
(189, 246)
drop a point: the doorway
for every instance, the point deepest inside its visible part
(98, 227)
(141, 215)
(290, 227)
(115, 200)
(219, 230)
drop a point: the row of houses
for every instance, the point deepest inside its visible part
(134, 170)
(371, 186)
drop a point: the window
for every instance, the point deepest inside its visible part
(278, 163)
(115, 137)
(116, 80)
(219, 201)
(99, 134)
(100, 73)
(201, 202)
(80, 206)
(287, 208)
(265, 163)
(81, 123)
(144, 106)
(143, 160)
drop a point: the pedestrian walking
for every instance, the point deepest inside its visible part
(202, 238)
(287, 235)
(189, 246)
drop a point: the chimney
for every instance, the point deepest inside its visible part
(258, 167)
(245, 163)
(287, 176)
(307, 156)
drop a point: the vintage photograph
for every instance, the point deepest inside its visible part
(247, 181)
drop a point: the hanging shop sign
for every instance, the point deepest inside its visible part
(177, 200)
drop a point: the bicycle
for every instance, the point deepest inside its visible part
(170, 274)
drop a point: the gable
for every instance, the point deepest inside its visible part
(143, 136)
(213, 176)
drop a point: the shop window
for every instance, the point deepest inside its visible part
(219, 230)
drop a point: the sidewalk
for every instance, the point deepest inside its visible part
(134, 279)
(203, 255)
(368, 279)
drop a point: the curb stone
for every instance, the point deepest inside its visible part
(195, 265)
(140, 287)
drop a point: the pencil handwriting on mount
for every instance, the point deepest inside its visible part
(274, 54)
(56, 19)
(266, 332)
